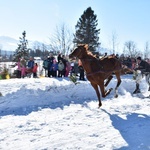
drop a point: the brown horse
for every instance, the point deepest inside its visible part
(98, 72)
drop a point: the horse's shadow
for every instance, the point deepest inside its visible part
(135, 130)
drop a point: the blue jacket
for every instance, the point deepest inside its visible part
(30, 63)
(54, 67)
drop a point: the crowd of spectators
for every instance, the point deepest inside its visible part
(52, 66)
(25, 68)
(128, 61)
(131, 62)
(61, 66)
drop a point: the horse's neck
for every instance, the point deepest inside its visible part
(90, 64)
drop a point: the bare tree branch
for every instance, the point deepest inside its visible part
(61, 40)
(131, 50)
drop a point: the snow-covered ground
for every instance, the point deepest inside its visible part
(56, 114)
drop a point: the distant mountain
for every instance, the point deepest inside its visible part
(8, 43)
(11, 44)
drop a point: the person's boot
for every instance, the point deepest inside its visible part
(137, 90)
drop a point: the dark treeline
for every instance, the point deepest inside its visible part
(34, 53)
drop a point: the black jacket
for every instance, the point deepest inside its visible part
(144, 66)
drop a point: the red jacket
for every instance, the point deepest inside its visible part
(35, 69)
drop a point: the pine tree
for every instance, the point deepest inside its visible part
(22, 50)
(86, 32)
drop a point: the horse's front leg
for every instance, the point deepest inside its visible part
(95, 86)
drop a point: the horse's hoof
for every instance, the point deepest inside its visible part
(116, 95)
(99, 105)
(111, 89)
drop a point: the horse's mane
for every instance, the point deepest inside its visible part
(108, 57)
(89, 53)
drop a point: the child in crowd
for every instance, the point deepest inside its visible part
(35, 70)
(23, 67)
(54, 68)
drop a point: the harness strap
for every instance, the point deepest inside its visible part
(89, 74)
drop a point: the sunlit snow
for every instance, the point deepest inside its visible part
(56, 114)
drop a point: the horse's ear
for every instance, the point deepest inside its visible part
(79, 45)
(86, 46)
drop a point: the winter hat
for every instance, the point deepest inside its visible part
(139, 58)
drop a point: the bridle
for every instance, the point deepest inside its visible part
(78, 54)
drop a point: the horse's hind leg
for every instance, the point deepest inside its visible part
(108, 80)
(95, 86)
(118, 83)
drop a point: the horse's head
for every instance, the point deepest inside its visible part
(79, 51)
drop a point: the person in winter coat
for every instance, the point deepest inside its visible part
(30, 63)
(59, 58)
(81, 70)
(18, 68)
(60, 68)
(45, 66)
(54, 68)
(34, 70)
(50, 62)
(64, 60)
(72, 68)
(23, 67)
(142, 69)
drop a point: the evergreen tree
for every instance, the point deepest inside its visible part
(22, 50)
(86, 32)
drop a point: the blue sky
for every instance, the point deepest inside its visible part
(126, 19)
